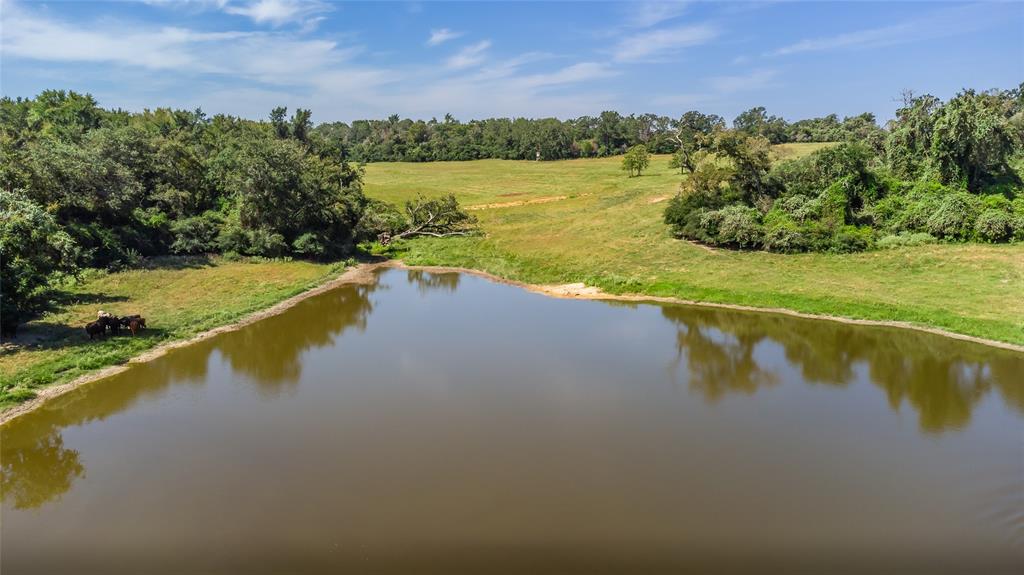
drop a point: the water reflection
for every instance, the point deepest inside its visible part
(500, 420)
(37, 467)
(426, 282)
(722, 352)
(940, 378)
(281, 340)
(40, 469)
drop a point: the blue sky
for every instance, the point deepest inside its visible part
(477, 59)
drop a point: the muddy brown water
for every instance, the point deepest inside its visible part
(441, 423)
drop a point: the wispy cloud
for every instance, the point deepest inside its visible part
(657, 44)
(876, 37)
(647, 14)
(753, 80)
(938, 24)
(274, 12)
(718, 87)
(472, 55)
(279, 12)
(572, 74)
(442, 35)
(250, 72)
(266, 57)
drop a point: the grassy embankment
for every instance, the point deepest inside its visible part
(585, 221)
(180, 297)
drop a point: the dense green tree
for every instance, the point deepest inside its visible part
(973, 139)
(910, 135)
(751, 160)
(33, 248)
(757, 122)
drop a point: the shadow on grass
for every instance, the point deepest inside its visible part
(41, 335)
(177, 262)
(59, 299)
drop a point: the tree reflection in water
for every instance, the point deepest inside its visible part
(38, 470)
(36, 467)
(725, 352)
(269, 353)
(426, 282)
(940, 378)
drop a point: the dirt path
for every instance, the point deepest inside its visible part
(517, 203)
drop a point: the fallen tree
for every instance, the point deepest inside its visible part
(436, 217)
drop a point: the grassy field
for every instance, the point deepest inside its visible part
(179, 297)
(585, 221)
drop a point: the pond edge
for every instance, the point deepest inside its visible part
(365, 273)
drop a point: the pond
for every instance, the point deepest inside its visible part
(442, 423)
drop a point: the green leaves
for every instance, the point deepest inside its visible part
(636, 160)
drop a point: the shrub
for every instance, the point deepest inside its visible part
(232, 237)
(905, 239)
(785, 236)
(380, 218)
(850, 239)
(309, 244)
(996, 202)
(994, 225)
(196, 235)
(954, 216)
(833, 207)
(264, 242)
(1017, 223)
(735, 225)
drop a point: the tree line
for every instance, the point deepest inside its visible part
(399, 139)
(82, 186)
(942, 171)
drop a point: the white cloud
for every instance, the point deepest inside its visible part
(657, 44)
(572, 74)
(277, 12)
(861, 38)
(266, 57)
(248, 73)
(938, 24)
(647, 14)
(754, 80)
(472, 55)
(160, 48)
(441, 36)
(719, 88)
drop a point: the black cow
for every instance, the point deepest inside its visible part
(96, 328)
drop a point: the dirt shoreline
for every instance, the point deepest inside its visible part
(365, 273)
(581, 291)
(360, 274)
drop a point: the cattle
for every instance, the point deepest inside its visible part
(104, 320)
(134, 323)
(96, 328)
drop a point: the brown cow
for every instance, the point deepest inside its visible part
(136, 324)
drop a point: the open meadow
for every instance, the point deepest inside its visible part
(585, 221)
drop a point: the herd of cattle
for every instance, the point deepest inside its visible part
(105, 321)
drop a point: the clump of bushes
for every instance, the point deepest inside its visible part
(851, 197)
(905, 239)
